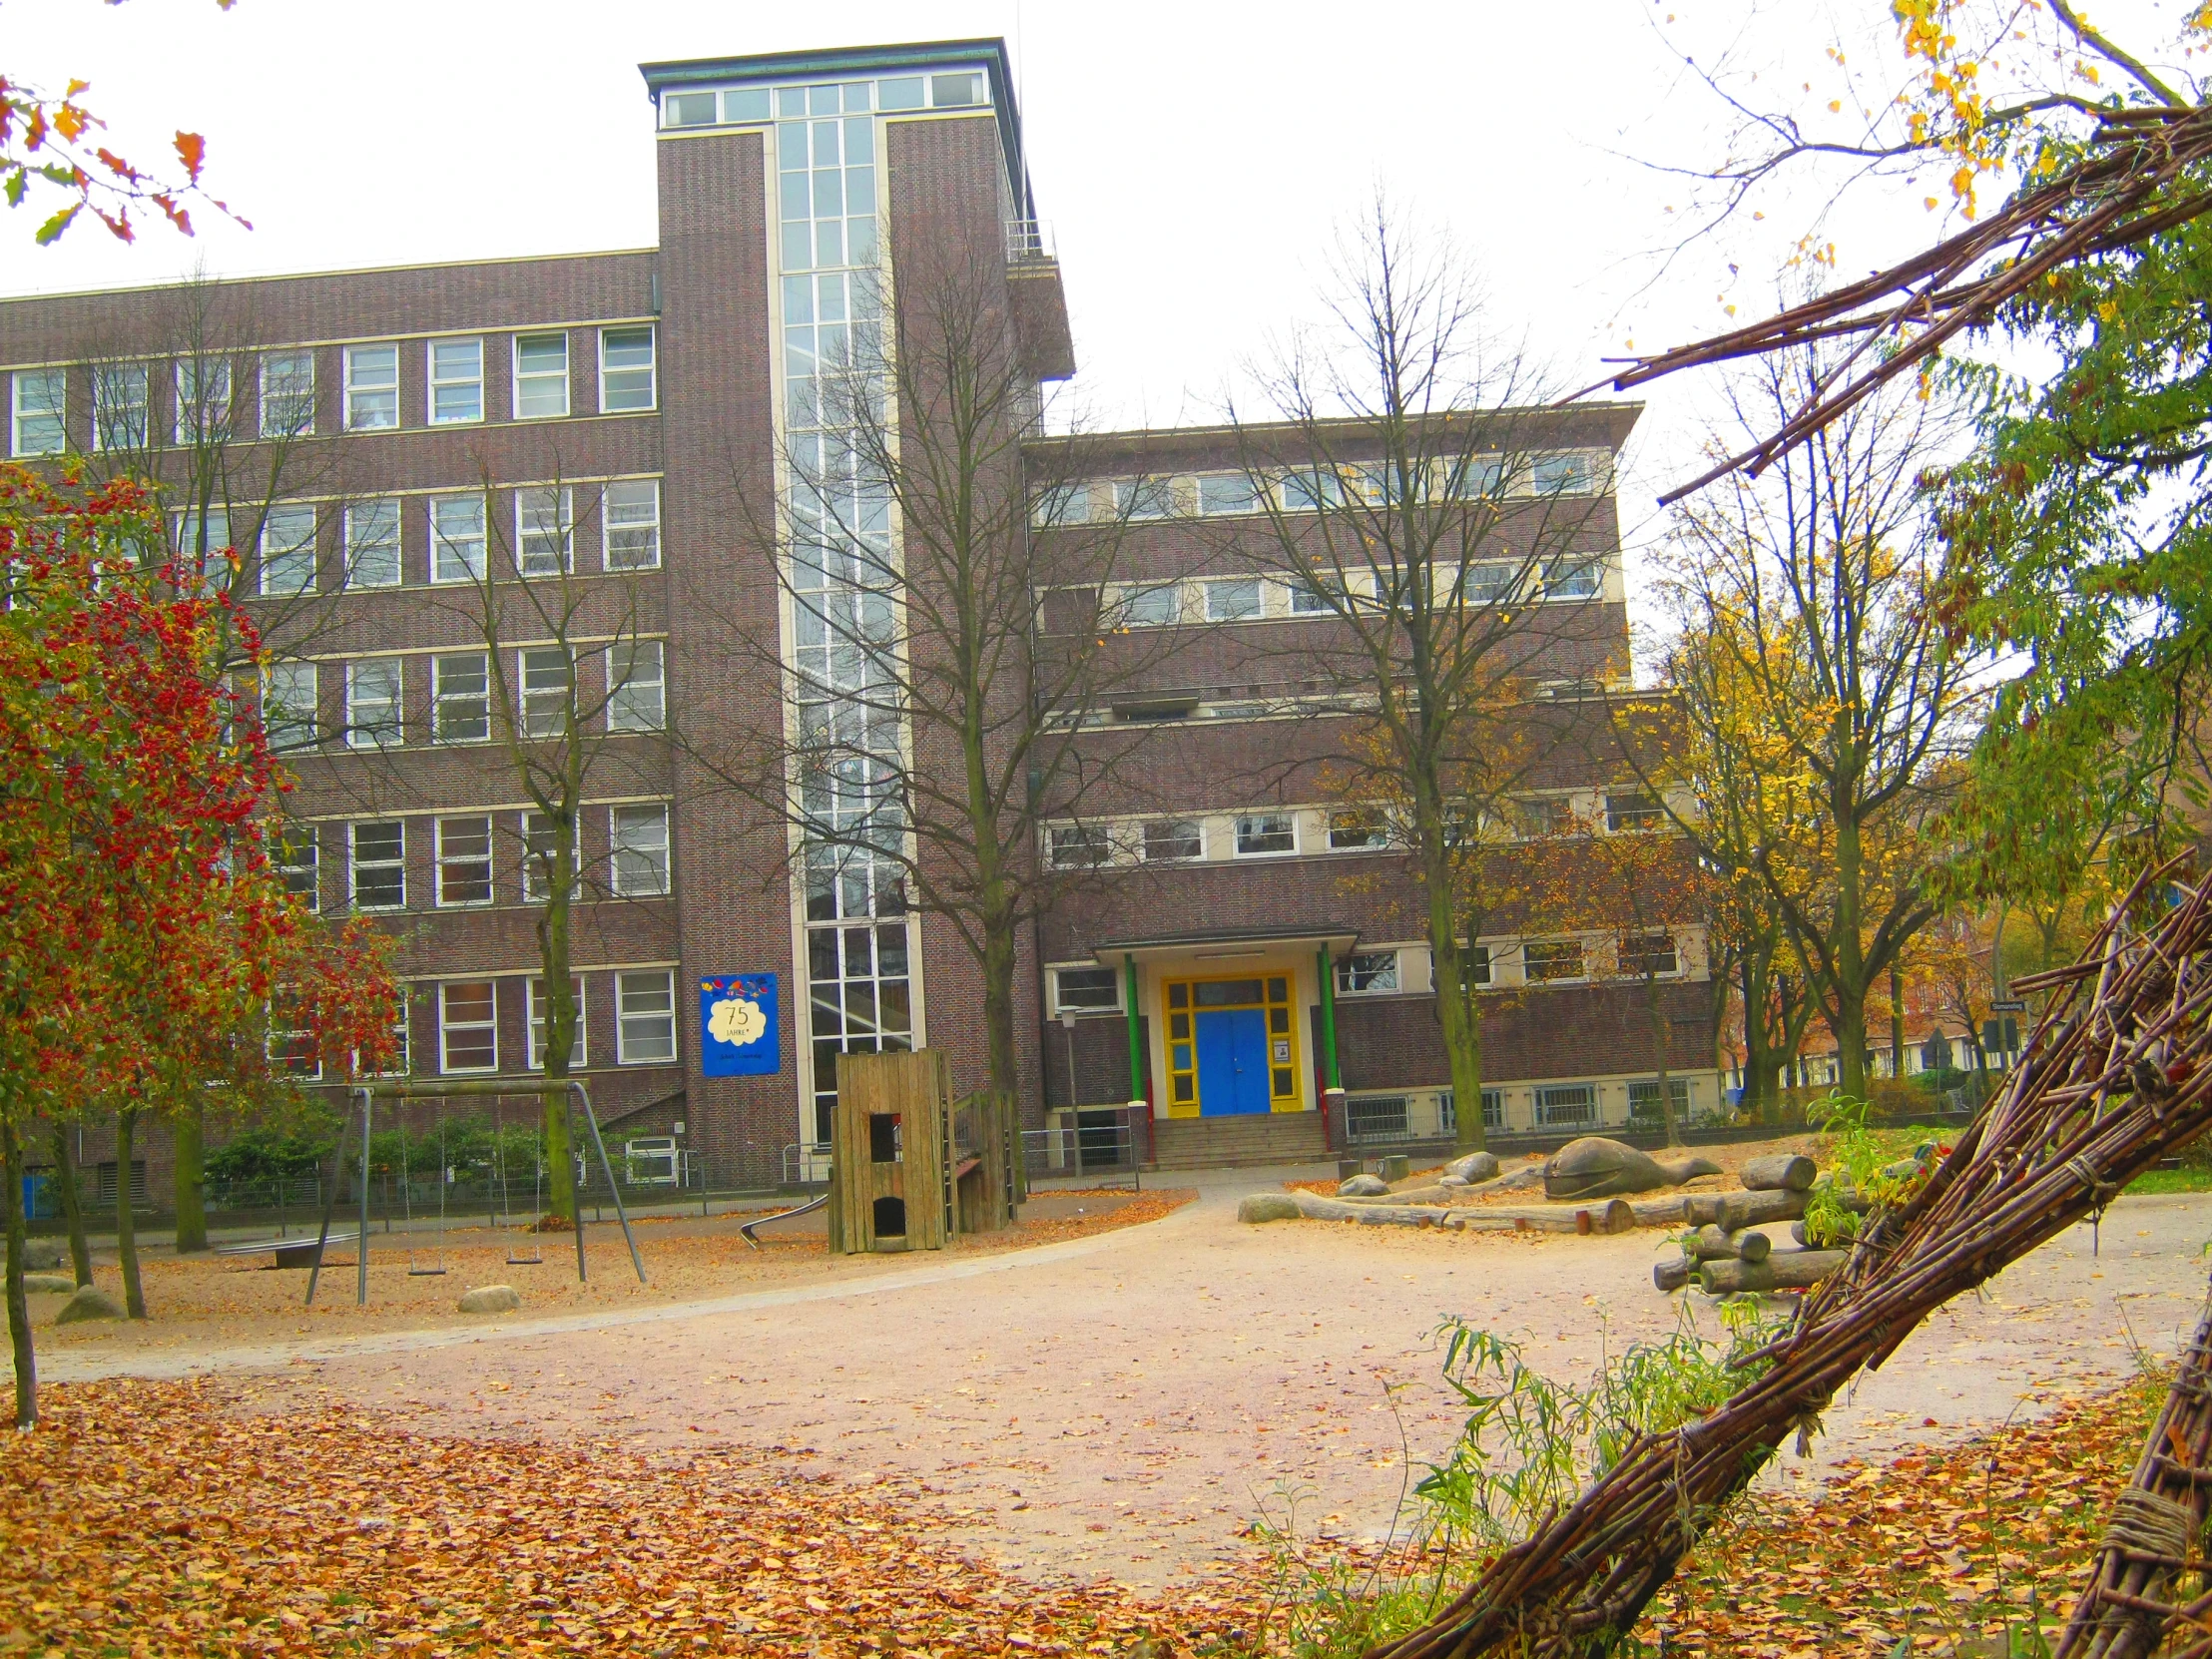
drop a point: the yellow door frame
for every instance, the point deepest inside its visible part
(1182, 1042)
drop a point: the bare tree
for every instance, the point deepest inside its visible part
(1445, 536)
(1817, 676)
(948, 671)
(224, 430)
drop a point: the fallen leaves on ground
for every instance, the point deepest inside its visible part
(145, 1517)
(1986, 1539)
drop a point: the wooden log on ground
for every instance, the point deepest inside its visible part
(1710, 1244)
(1735, 1211)
(1600, 1215)
(1786, 1270)
(1780, 1172)
(1672, 1275)
(1660, 1212)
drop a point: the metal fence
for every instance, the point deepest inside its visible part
(1370, 1119)
(1100, 1145)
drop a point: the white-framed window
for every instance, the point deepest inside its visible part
(1145, 605)
(1565, 1103)
(1233, 598)
(1310, 489)
(1226, 493)
(541, 376)
(372, 544)
(1062, 504)
(637, 838)
(1366, 972)
(468, 1025)
(1572, 578)
(457, 538)
(1086, 991)
(545, 530)
(1493, 1110)
(288, 550)
(1081, 845)
(296, 859)
(1356, 829)
(1142, 498)
(202, 535)
(119, 406)
(541, 1012)
(547, 675)
(1633, 812)
(1487, 582)
(460, 698)
(1474, 962)
(289, 1045)
(636, 687)
(289, 707)
(541, 845)
(1320, 595)
(633, 524)
(1174, 840)
(1643, 1099)
(627, 370)
(465, 859)
(1262, 835)
(1545, 814)
(202, 400)
(1474, 477)
(371, 387)
(1565, 474)
(372, 712)
(1543, 960)
(645, 1016)
(1653, 954)
(378, 861)
(40, 413)
(288, 394)
(400, 1047)
(456, 382)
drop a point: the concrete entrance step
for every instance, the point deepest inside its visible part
(1257, 1141)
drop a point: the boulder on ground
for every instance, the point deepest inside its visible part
(90, 1303)
(43, 1255)
(1363, 1186)
(491, 1298)
(1475, 1166)
(49, 1284)
(1270, 1207)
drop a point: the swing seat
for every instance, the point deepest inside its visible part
(414, 1272)
(536, 1257)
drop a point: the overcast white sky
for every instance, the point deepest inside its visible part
(1194, 159)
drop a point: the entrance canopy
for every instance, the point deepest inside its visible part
(1228, 944)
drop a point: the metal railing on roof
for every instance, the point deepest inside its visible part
(1028, 240)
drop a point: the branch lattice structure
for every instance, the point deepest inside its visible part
(2118, 1072)
(2129, 1610)
(2143, 174)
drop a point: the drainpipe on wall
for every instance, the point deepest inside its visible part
(1332, 1089)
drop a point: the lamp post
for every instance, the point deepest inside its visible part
(1067, 1024)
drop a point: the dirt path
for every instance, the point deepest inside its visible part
(1125, 1402)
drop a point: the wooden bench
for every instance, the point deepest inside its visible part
(290, 1252)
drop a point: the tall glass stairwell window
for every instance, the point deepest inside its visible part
(844, 580)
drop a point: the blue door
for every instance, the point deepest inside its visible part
(1232, 1061)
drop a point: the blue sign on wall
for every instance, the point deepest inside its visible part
(737, 1027)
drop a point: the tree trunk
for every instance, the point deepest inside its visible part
(126, 1235)
(1456, 1013)
(1848, 980)
(19, 1305)
(73, 1203)
(1897, 1020)
(560, 1035)
(192, 1197)
(1659, 1035)
(998, 999)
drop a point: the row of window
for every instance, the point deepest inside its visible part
(468, 1026)
(960, 89)
(211, 401)
(371, 543)
(1342, 829)
(373, 714)
(1311, 489)
(1169, 602)
(462, 857)
(1098, 991)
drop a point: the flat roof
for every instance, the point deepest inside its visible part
(1212, 942)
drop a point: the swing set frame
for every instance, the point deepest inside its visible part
(365, 1096)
